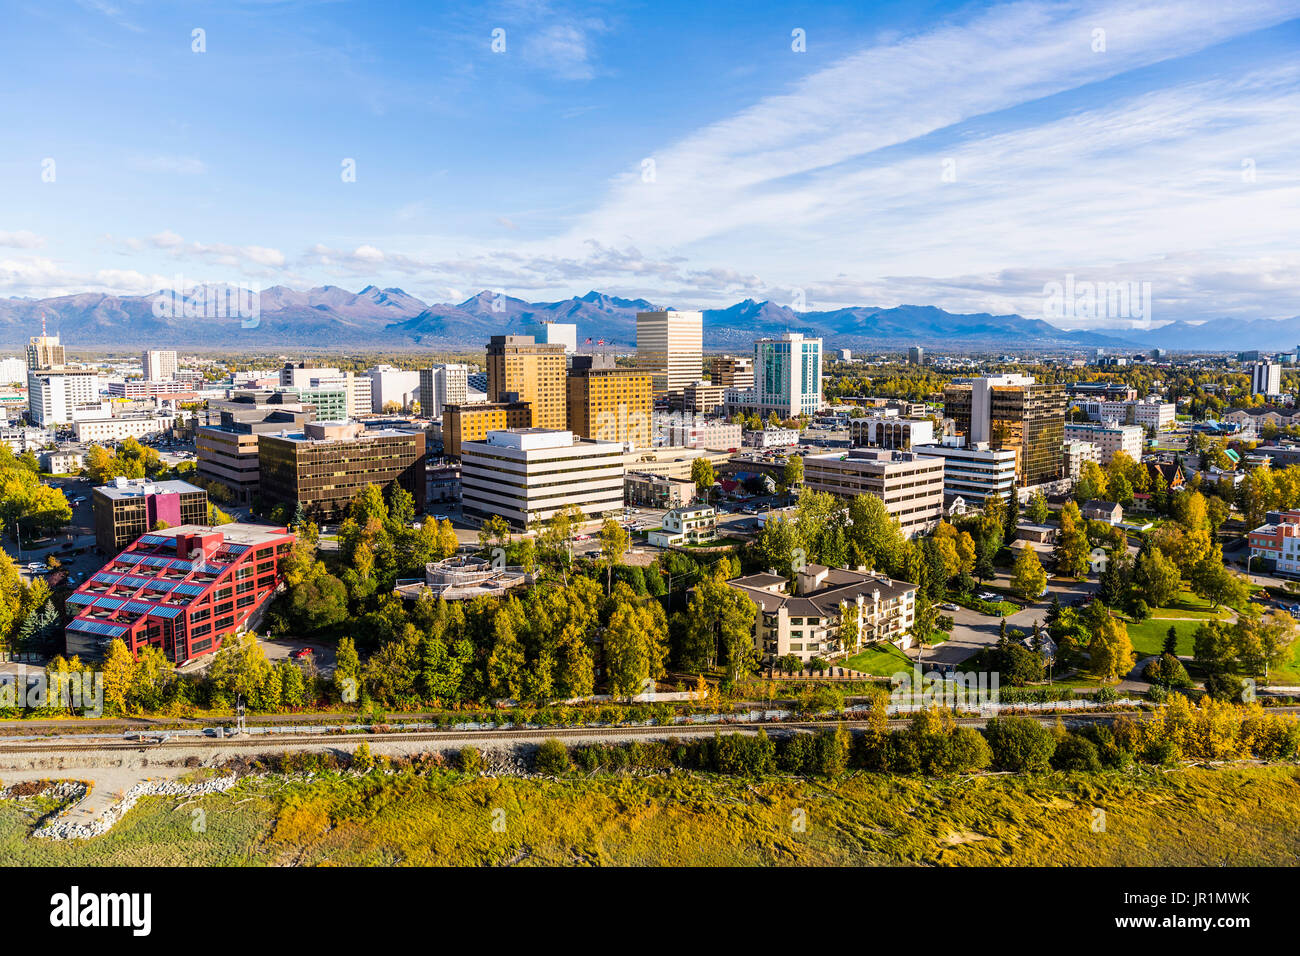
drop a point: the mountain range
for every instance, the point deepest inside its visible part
(391, 318)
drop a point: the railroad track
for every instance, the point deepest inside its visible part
(273, 742)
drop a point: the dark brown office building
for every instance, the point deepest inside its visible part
(129, 507)
(324, 465)
(1014, 412)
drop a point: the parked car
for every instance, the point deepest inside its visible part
(987, 596)
(302, 653)
(950, 607)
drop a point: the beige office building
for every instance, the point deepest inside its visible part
(910, 485)
(671, 345)
(522, 370)
(732, 371)
(526, 475)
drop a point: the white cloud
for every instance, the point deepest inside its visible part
(21, 240)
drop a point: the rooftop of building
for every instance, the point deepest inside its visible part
(121, 488)
(832, 587)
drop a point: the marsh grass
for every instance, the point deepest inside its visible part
(1238, 815)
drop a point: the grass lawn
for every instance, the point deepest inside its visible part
(1149, 636)
(881, 661)
(1188, 604)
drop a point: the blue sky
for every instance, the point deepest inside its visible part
(963, 155)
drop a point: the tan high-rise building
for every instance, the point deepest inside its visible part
(610, 404)
(44, 351)
(732, 371)
(472, 422)
(159, 365)
(671, 345)
(522, 370)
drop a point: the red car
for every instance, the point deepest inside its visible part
(301, 653)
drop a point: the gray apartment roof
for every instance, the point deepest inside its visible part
(839, 585)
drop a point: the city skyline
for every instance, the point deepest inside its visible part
(965, 157)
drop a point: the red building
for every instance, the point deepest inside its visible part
(183, 590)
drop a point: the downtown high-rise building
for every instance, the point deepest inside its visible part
(732, 371)
(442, 385)
(159, 365)
(670, 345)
(520, 369)
(45, 351)
(788, 375)
(1012, 411)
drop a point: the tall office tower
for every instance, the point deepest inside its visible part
(606, 403)
(159, 365)
(44, 351)
(733, 371)
(522, 370)
(1265, 378)
(788, 375)
(671, 345)
(559, 333)
(1012, 411)
(442, 385)
(58, 396)
(916, 355)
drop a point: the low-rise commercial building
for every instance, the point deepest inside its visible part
(183, 590)
(911, 485)
(881, 431)
(227, 453)
(526, 475)
(98, 430)
(129, 507)
(657, 491)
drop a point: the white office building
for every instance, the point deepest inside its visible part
(388, 384)
(442, 385)
(12, 370)
(973, 473)
(526, 475)
(558, 333)
(890, 431)
(788, 375)
(57, 396)
(671, 345)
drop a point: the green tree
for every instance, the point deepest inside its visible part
(702, 475)
(636, 642)
(613, 545)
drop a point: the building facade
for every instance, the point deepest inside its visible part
(974, 474)
(610, 404)
(670, 345)
(1109, 438)
(521, 370)
(910, 484)
(130, 507)
(900, 434)
(183, 590)
(526, 475)
(325, 464)
(831, 612)
(472, 422)
(1012, 411)
(159, 365)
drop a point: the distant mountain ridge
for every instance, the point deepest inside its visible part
(391, 318)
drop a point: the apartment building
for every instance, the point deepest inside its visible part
(670, 345)
(1265, 378)
(323, 465)
(831, 612)
(1074, 455)
(911, 485)
(1109, 438)
(1276, 545)
(129, 507)
(526, 475)
(521, 370)
(900, 434)
(609, 403)
(973, 474)
(472, 422)
(1154, 415)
